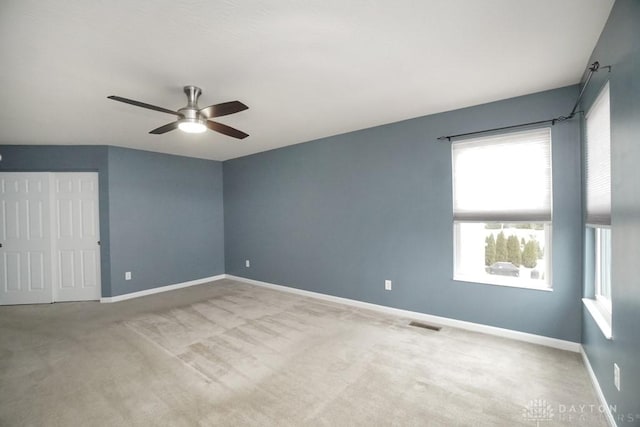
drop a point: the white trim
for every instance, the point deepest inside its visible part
(596, 386)
(162, 289)
(479, 281)
(599, 317)
(444, 321)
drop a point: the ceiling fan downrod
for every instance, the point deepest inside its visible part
(193, 93)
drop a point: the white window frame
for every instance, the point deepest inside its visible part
(499, 281)
(602, 276)
(600, 306)
(547, 284)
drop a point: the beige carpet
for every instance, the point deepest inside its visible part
(234, 354)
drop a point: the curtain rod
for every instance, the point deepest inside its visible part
(590, 70)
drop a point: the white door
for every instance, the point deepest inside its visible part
(76, 237)
(25, 255)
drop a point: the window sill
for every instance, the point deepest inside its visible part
(505, 284)
(601, 319)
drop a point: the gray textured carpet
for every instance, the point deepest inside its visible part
(235, 354)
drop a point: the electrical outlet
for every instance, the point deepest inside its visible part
(247, 263)
(387, 285)
(127, 275)
(616, 376)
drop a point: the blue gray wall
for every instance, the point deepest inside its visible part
(342, 214)
(166, 219)
(619, 46)
(161, 216)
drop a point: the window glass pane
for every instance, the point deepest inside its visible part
(603, 264)
(502, 253)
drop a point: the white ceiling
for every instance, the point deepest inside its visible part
(306, 69)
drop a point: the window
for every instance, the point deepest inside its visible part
(502, 209)
(602, 279)
(598, 207)
(598, 170)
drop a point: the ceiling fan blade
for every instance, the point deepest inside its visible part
(143, 105)
(227, 130)
(166, 128)
(223, 109)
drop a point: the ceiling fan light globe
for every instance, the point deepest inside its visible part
(191, 126)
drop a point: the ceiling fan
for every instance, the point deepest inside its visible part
(191, 118)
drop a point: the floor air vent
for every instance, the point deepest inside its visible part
(425, 326)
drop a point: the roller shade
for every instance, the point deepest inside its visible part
(503, 178)
(598, 170)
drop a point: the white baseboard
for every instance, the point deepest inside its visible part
(162, 289)
(596, 386)
(443, 321)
